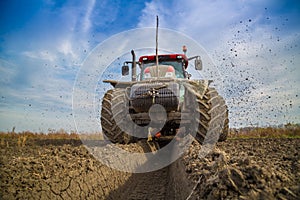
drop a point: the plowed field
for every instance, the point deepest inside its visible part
(235, 169)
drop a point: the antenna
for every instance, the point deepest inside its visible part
(156, 49)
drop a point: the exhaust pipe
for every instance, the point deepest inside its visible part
(133, 71)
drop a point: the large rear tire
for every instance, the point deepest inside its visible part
(212, 120)
(112, 113)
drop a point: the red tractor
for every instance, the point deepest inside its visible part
(162, 102)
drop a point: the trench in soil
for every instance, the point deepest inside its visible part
(170, 182)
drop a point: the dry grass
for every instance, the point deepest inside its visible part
(287, 131)
(20, 139)
(30, 135)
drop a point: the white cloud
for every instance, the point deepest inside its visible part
(43, 55)
(195, 18)
(42, 73)
(7, 71)
(251, 52)
(66, 48)
(47, 104)
(86, 19)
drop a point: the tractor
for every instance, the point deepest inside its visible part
(162, 102)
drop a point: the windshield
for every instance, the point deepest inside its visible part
(176, 66)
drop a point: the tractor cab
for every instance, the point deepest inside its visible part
(169, 66)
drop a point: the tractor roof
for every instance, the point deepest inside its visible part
(164, 57)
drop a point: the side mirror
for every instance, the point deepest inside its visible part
(198, 64)
(125, 70)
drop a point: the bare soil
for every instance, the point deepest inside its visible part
(235, 169)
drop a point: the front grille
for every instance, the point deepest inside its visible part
(167, 96)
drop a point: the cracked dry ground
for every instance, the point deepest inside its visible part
(235, 169)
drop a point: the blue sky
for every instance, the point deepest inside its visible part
(254, 44)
